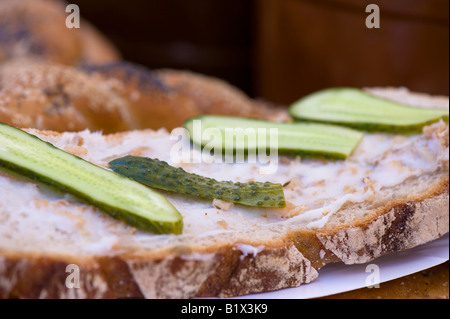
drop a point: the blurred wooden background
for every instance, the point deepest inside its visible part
(280, 50)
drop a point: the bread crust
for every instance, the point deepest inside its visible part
(396, 227)
(226, 271)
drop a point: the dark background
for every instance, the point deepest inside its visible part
(280, 50)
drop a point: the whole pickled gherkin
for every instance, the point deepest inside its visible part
(158, 174)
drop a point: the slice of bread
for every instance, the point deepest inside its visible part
(390, 195)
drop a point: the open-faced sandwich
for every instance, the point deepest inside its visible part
(224, 205)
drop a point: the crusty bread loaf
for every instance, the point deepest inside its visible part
(116, 97)
(36, 30)
(390, 195)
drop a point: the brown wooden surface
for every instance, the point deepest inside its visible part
(428, 284)
(210, 37)
(306, 45)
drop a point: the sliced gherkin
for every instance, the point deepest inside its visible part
(158, 174)
(112, 193)
(241, 135)
(358, 109)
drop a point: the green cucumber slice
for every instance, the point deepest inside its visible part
(112, 193)
(308, 139)
(159, 174)
(358, 109)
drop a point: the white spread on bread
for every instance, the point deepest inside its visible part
(249, 250)
(314, 190)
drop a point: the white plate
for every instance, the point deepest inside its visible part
(338, 278)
